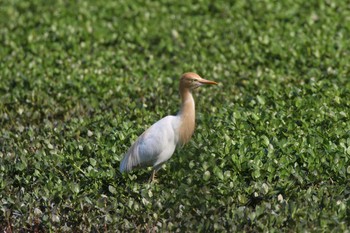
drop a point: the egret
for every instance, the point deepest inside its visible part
(157, 144)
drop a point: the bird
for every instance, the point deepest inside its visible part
(157, 144)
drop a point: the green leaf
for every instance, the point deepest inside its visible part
(92, 162)
(265, 140)
(206, 175)
(75, 187)
(112, 189)
(260, 99)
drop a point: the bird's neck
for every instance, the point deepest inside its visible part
(187, 116)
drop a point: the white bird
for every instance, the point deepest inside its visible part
(157, 144)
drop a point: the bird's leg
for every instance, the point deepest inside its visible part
(153, 176)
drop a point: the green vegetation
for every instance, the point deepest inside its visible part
(80, 80)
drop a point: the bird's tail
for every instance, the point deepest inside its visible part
(131, 159)
(123, 164)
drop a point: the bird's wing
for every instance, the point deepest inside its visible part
(151, 144)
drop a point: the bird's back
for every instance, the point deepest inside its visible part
(155, 146)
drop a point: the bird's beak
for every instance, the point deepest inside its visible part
(204, 81)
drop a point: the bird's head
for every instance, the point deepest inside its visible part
(192, 81)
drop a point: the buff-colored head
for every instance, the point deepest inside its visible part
(192, 80)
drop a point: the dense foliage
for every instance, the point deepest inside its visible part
(80, 80)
